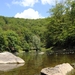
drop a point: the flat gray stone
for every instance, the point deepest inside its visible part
(7, 57)
(61, 69)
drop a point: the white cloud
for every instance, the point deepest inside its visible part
(51, 2)
(29, 13)
(25, 2)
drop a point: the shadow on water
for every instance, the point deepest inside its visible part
(34, 62)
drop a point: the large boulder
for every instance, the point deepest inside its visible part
(61, 69)
(7, 57)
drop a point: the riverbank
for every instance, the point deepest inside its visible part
(60, 51)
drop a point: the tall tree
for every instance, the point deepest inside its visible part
(57, 11)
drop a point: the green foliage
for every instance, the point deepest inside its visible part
(8, 40)
(18, 34)
(57, 11)
(36, 42)
(61, 28)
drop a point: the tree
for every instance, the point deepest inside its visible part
(2, 42)
(57, 11)
(73, 12)
(69, 11)
(36, 42)
(60, 30)
(9, 40)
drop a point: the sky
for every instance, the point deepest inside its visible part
(28, 9)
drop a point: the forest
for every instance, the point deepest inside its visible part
(55, 31)
(21, 34)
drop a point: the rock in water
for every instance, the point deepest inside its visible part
(7, 57)
(61, 69)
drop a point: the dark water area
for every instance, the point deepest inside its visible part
(34, 62)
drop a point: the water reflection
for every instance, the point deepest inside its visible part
(8, 67)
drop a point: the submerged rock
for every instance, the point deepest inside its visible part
(7, 57)
(61, 69)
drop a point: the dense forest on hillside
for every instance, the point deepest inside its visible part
(58, 30)
(21, 34)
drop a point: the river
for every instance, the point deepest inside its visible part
(34, 62)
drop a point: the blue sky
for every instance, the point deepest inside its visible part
(31, 9)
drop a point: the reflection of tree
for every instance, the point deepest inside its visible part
(38, 60)
(8, 67)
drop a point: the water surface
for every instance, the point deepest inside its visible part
(34, 62)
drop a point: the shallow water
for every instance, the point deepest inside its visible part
(34, 62)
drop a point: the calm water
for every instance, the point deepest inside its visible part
(34, 62)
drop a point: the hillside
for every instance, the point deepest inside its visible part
(21, 33)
